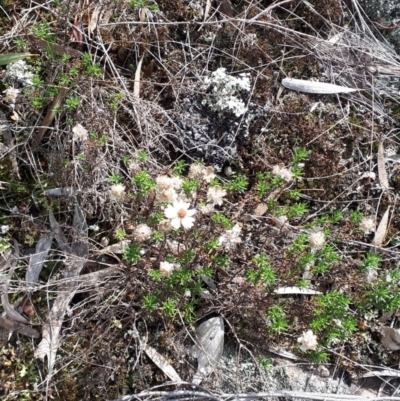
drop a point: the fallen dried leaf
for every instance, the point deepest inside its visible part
(383, 179)
(381, 231)
(162, 363)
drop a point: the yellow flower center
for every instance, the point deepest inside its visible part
(182, 213)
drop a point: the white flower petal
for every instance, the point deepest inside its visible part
(170, 212)
(176, 222)
(187, 222)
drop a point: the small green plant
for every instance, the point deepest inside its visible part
(158, 237)
(264, 184)
(103, 140)
(89, 68)
(115, 179)
(355, 217)
(169, 308)
(299, 245)
(179, 168)
(150, 302)
(332, 317)
(297, 210)
(72, 103)
(74, 71)
(263, 272)
(81, 157)
(336, 217)
(265, 363)
(276, 318)
(142, 156)
(190, 185)
(4, 245)
(156, 218)
(143, 183)
(42, 31)
(132, 253)
(238, 184)
(155, 275)
(325, 259)
(219, 218)
(120, 235)
(20, 43)
(126, 159)
(318, 357)
(300, 155)
(115, 100)
(371, 261)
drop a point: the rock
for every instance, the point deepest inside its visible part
(386, 13)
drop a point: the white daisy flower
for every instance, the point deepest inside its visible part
(167, 268)
(142, 232)
(215, 195)
(163, 182)
(207, 209)
(180, 214)
(10, 95)
(208, 174)
(231, 238)
(317, 240)
(167, 195)
(195, 170)
(368, 225)
(118, 190)
(80, 133)
(308, 341)
(281, 171)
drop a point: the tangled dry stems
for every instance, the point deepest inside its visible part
(292, 38)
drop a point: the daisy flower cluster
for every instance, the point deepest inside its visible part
(181, 201)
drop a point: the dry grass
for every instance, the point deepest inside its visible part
(148, 120)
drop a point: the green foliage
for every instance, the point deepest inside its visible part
(120, 235)
(299, 245)
(142, 4)
(4, 245)
(219, 218)
(263, 272)
(264, 184)
(237, 185)
(156, 218)
(265, 363)
(115, 100)
(318, 357)
(42, 31)
(142, 156)
(89, 68)
(72, 103)
(115, 178)
(332, 317)
(143, 183)
(132, 253)
(277, 322)
(179, 168)
(325, 258)
(212, 245)
(155, 275)
(157, 236)
(150, 302)
(371, 261)
(190, 185)
(355, 217)
(300, 155)
(297, 210)
(169, 308)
